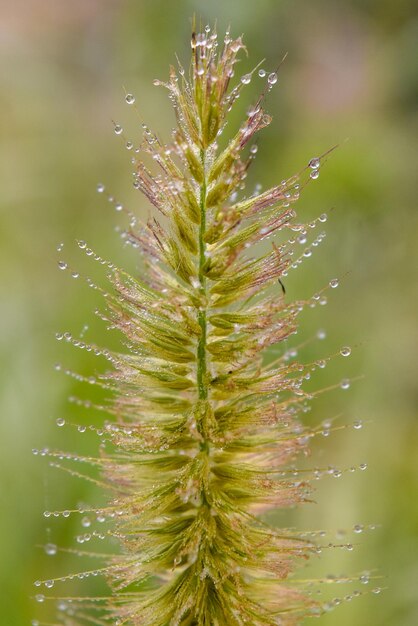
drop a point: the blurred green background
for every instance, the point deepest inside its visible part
(350, 78)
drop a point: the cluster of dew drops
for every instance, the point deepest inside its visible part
(51, 549)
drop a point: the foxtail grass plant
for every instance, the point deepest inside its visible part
(203, 428)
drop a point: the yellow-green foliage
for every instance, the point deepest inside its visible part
(204, 431)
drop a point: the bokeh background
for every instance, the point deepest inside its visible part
(350, 78)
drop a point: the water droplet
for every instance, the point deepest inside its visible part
(118, 129)
(86, 522)
(60, 247)
(358, 425)
(35, 622)
(50, 549)
(246, 79)
(377, 590)
(40, 597)
(334, 283)
(47, 513)
(262, 73)
(358, 528)
(62, 265)
(129, 98)
(323, 217)
(272, 78)
(314, 174)
(350, 547)
(345, 383)
(66, 514)
(363, 466)
(254, 149)
(75, 275)
(49, 584)
(81, 429)
(346, 351)
(37, 583)
(337, 473)
(100, 187)
(314, 163)
(364, 578)
(321, 334)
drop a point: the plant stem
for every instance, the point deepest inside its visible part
(201, 316)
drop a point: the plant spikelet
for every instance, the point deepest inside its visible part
(204, 430)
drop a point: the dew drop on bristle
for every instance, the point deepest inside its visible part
(118, 129)
(60, 421)
(60, 246)
(62, 265)
(100, 187)
(314, 174)
(345, 383)
(346, 351)
(262, 73)
(358, 425)
(129, 98)
(314, 163)
(40, 597)
(246, 79)
(272, 78)
(334, 283)
(50, 549)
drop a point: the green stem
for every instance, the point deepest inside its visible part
(201, 317)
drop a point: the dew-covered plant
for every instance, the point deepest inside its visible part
(203, 427)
